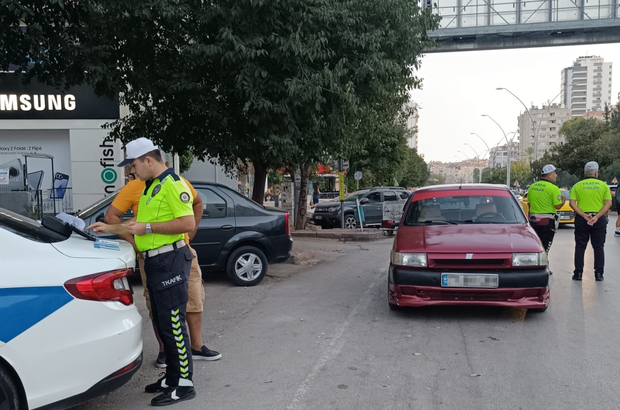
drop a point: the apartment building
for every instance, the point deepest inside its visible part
(544, 130)
(586, 86)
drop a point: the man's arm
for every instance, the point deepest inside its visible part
(573, 204)
(113, 217)
(562, 204)
(603, 211)
(197, 207)
(179, 225)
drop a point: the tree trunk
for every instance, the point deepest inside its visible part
(302, 205)
(260, 175)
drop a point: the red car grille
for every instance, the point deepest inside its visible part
(468, 262)
(447, 295)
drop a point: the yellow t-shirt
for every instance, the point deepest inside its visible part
(129, 197)
(543, 196)
(590, 194)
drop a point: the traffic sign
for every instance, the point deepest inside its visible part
(345, 164)
(357, 175)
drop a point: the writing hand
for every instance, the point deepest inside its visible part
(99, 227)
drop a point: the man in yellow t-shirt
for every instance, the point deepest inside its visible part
(590, 198)
(129, 198)
(544, 199)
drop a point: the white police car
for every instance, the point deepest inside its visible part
(69, 330)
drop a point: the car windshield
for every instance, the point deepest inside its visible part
(464, 209)
(566, 194)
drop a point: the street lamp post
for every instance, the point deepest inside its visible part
(478, 157)
(507, 146)
(472, 148)
(531, 119)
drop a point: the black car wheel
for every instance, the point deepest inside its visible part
(350, 222)
(9, 398)
(247, 266)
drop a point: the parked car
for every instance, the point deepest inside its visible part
(467, 245)
(566, 213)
(70, 330)
(327, 215)
(235, 233)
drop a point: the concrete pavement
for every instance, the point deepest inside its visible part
(324, 338)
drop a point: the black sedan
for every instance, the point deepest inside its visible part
(235, 233)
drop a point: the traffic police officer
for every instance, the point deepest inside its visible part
(545, 198)
(590, 198)
(164, 215)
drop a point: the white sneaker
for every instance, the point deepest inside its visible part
(617, 232)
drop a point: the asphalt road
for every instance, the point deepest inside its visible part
(325, 338)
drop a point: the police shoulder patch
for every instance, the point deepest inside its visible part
(185, 197)
(559, 197)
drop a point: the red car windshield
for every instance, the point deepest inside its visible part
(473, 207)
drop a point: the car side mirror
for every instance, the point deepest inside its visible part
(363, 201)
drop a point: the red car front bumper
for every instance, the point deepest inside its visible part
(416, 296)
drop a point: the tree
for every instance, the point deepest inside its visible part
(586, 140)
(436, 179)
(415, 170)
(275, 83)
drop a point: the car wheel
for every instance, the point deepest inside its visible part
(394, 306)
(350, 222)
(9, 398)
(247, 266)
(538, 310)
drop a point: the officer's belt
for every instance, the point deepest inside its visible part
(164, 249)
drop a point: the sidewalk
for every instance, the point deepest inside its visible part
(308, 252)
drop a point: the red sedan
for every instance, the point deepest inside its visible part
(467, 245)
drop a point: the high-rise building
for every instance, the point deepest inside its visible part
(586, 86)
(546, 130)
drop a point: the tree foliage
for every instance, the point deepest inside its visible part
(415, 171)
(278, 83)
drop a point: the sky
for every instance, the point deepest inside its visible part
(458, 87)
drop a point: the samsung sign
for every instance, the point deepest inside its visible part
(37, 101)
(25, 102)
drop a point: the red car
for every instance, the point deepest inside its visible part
(467, 245)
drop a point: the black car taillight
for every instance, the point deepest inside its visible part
(112, 286)
(288, 228)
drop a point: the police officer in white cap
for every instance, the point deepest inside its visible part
(590, 198)
(544, 199)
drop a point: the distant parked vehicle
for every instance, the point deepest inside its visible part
(235, 233)
(327, 215)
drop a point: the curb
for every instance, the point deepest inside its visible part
(354, 236)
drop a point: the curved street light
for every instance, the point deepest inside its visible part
(508, 148)
(481, 139)
(531, 119)
(472, 148)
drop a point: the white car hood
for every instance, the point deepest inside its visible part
(78, 247)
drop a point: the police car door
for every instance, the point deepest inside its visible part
(216, 227)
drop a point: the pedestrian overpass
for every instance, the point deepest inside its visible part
(499, 24)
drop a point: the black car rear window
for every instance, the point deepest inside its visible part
(28, 228)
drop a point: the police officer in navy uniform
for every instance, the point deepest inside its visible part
(164, 215)
(590, 198)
